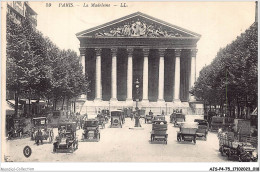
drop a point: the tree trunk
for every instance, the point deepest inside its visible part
(16, 105)
(68, 103)
(55, 103)
(63, 99)
(29, 110)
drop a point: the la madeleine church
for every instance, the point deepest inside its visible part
(138, 57)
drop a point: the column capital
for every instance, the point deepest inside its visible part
(193, 52)
(98, 51)
(82, 51)
(177, 52)
(130, 51)
(146, 51)
(113, 51)
(161, 52)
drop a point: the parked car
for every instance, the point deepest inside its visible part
(149, 117)
(66, 141)
(91, 130)
(216, 123)
(41, 131)
(117, 118)
(179, 118)
(234, 149)
(187, 132)
(202, 130)
(159, 118)
(159, 131)
(101, 120)
(17, 130)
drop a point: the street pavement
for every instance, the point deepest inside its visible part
(121, 145)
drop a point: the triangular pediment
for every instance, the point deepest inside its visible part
(137, 25)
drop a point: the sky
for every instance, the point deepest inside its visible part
(218, 23)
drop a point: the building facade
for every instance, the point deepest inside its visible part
(21, 10)
(161, 56)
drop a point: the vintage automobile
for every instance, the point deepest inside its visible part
(173, 115)
(179, 118)
(149, 117)
(40, 130)
(159, 131)
(202, 130)
(106, 114)
(66, 140)
(17, 130)
(91, 130)
(141, 112)
(216, 123)
(101, 120)
(187, 132)
(128, 112)
(159, 118)
(233, 149)
(117, 118)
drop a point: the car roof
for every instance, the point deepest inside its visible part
(116, 111)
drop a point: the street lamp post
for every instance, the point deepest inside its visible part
(137, 116)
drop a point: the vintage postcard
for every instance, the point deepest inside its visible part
(130, 81)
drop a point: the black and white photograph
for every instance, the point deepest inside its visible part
(129, 82)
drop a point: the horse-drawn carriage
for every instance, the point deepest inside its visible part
(66, 141)
(40, 130)
(203, 127)
(233, 149)
(159, 131)
(188, 132)
(91, 130)
(117, 118)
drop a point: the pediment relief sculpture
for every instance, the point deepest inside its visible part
(137, 29)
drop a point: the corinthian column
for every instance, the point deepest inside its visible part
(161, 76)
(177, 74)
(145, 75)
(129, 75)
(82, 62)
(193, 71)
(113, 76)
(98, 91)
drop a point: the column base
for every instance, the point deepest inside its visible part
(97, 100)
(113, 100)
(177, 101)
(160, 101)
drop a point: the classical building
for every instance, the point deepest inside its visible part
(161, 56)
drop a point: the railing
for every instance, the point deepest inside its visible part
(155, 110)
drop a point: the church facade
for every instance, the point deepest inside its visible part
(138, 57)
